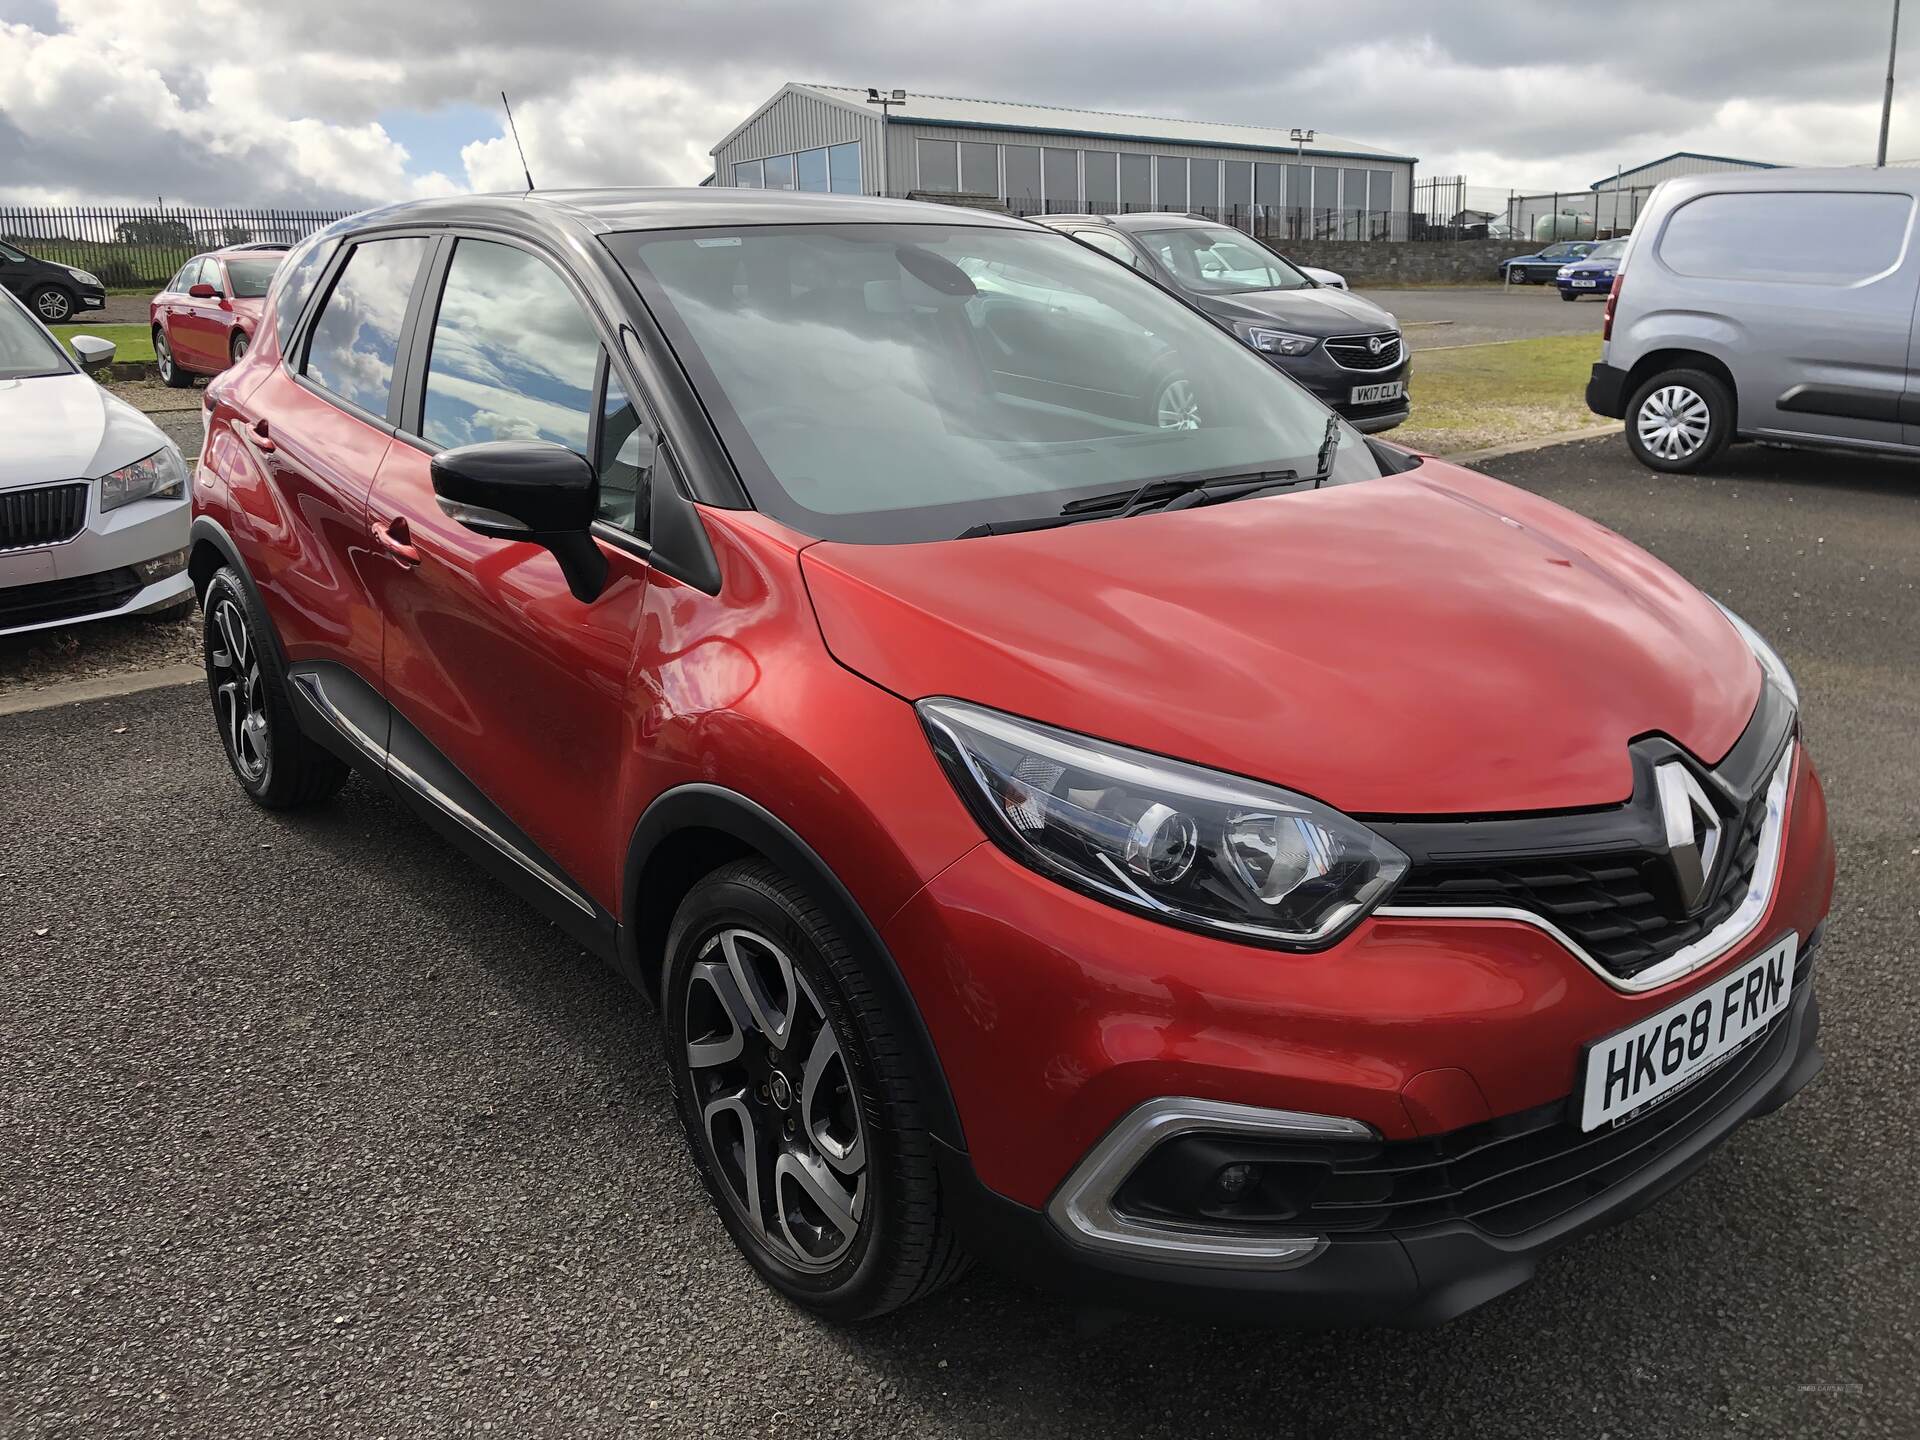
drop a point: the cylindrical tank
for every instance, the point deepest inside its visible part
(1567, 225)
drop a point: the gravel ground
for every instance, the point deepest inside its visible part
(310, 1130)
(1479, 315)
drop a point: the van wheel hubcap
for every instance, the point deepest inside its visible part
(1673, 422)
(778, 1116)
(239, 691)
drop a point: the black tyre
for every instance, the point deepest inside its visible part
(171, 375)
(798, 1101)
(52, 304)
(273, 760)
(1568, 295)
(1679, 420)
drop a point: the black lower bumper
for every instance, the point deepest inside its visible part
(1607, 391)
(1404, 1278)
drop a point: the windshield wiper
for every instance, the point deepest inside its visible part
(1171, 493)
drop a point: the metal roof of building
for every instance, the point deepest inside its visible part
(1607, 182)
(965, 113)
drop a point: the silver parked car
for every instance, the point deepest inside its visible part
(1768, 305)
(93, 498)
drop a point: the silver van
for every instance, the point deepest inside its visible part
(1774, 305)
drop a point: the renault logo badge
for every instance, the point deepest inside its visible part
(1693, 830)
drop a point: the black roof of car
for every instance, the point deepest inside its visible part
(662, 208)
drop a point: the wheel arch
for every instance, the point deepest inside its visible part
(1679, 358)
(209, 548)
(692, 830)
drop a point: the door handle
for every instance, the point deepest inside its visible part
(261, 438)
(394, 538)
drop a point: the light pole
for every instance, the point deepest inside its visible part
(1300, 138)
(1886, 104)
(885, 100)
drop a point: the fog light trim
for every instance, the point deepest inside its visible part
(1083, 1210)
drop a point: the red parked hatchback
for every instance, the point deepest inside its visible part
(1232, 862)
(204, 319)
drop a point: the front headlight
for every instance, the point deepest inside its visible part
(1770, 662)
(161, 476)
(85, 277)
(1187, 845)
(1279, 342)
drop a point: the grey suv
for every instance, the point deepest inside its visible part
(1777, 306)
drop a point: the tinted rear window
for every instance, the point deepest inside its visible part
(357, 335)
(1804, 237)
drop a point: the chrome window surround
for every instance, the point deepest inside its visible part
(1717, 942)
(1082, 1208)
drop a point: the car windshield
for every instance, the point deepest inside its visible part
(25, 349)
(1219, 260)
(250, 278)
(909, 382)
(1611, 250)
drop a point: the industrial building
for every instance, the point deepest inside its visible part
(1045, 159)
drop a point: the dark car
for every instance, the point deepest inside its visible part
(56, 293)
(1345, 350)
(203, 319)
(1593, 273)
(1541, 266)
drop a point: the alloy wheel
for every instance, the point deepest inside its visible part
(1673, 422)
(239, 348)
(53, 306)
(239, 689)
(162, 356)
(1178, 407)
(777, 1110)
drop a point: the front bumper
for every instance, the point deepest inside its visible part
(1333, 386)
(95, 575)
(1433, 1273)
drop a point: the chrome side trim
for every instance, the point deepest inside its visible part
(1082, 1208)
(1729, 934)
(315, 691)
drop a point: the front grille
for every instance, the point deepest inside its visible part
(1355, 351)
(52, 600)
(1623, 908)
(1505, 1177)
(47, 515)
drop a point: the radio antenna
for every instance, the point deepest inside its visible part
(516, 140)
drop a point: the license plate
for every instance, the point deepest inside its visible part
(1655, 1057)
(1374, 394)
(1584, 284)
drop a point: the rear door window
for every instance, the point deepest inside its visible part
(514, 356)
(1804, 237)
(356, 338)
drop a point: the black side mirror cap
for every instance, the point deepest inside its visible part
(527, 490)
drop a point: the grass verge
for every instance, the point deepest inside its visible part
(131, 342)
(1484, 395)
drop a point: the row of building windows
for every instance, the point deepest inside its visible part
(833, 168)
(1046, 178)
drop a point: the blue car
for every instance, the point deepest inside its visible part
(1593, 273)
(1538, 268)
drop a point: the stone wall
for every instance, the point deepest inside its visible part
(1386, 263)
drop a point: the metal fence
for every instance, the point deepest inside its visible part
(143, 246)
(1437, 213)
(1577, 215)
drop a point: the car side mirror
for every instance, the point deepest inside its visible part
(528, 490)
(200, 290)
(92, 352)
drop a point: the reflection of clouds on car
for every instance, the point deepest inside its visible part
(542, 387)
(358, 332)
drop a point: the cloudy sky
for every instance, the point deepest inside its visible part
(346, 102)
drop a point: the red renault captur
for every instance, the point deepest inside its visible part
(1193, 855)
